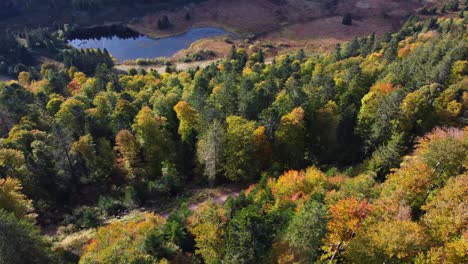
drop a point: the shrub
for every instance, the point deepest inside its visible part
(164, 23)
(347, 19)
(132, 72)
(84, 217)
(20, 241)
(110, 206)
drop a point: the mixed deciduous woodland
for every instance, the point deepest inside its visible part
(355, 155)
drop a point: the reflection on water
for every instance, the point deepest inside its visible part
(138, 46)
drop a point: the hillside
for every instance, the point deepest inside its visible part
(264, 16)
(287, 25)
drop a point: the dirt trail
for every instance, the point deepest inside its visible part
(183, 66)
(218, 195)
(217, 199)
(161, 69)
(75, 242)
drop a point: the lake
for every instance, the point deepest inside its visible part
(5, 78)
(129, 46)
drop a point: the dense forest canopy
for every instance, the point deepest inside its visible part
(358, 155)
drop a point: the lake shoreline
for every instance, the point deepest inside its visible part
(5, 78)
(127, 45)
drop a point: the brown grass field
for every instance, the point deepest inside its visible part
(292, 25)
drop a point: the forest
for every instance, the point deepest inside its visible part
(356, 155)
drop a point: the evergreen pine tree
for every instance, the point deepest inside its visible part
(347, 19)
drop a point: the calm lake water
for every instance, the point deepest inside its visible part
(124, 48)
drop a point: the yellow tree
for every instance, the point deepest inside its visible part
(153, 138)
(391, 241)
(12, 163)
(448, 108)
(188, 119)
(361, 187)
(297, 185)
(452, 252)
(54, 104)
(446, 213)
(347, 216)
(72, 115)
(121, 243)
(24, 78)
(411, 184)
(207, 224)
(240, 149)
(12, 200)
(444, 150)
(459, 71)
(370, 106)
(289, 186)
(290, 138)
(446, 221)
(127, 149)
(417, 112)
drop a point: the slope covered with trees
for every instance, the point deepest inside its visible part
(354, 151)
